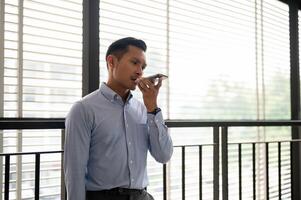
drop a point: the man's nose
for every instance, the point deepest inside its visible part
(139, 71)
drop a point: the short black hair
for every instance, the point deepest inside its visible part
(119, 47)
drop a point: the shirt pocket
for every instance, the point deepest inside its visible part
(142, 137)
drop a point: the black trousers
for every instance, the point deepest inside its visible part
(119, 194)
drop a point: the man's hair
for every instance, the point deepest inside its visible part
(120, 47)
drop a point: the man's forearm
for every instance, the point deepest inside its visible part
(160, 140)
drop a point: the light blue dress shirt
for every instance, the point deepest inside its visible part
(107, 141)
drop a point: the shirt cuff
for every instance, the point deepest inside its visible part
(155, 119)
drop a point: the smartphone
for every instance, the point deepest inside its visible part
(154, 78)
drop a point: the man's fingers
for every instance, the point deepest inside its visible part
(147, 84)
(141, 88)
(142, 84)
(159, 83)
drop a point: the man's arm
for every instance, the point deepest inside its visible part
(76, 151)
(161, 146)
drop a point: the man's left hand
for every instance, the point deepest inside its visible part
(150, 92)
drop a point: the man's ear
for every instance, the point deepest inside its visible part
(110, 61)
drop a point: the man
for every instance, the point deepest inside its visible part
(108, 132)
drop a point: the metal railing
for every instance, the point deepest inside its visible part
(31, 123)
(220, 141)
(37, 170)
(220, 153)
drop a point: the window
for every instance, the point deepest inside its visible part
(42, 78)
(225, 60)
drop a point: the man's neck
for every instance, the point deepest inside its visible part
(123, 93)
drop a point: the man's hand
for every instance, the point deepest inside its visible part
(150, 92)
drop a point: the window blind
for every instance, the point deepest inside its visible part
(212, 52)
(11, 90)
(275, 74)
(42, 78)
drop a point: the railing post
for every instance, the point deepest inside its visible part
(183, 173)
(200, 172)
(295, 164)
(279, 170)
(216, 163)
(267, 183)
(164, 182)
(225, 162)
(6, 182)
(254, 169)
(37, 177)
(239, 172)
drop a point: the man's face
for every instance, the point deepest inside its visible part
(128, 68)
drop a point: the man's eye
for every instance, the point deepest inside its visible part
(134, 62)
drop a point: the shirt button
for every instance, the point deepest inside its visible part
(127, 125)
(131, 162)
(130, 143)
(156, 120)
(133, 180)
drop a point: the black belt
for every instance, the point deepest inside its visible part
(118, 190)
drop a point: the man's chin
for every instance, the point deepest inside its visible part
(133, 87)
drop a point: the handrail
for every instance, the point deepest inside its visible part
(59, 123)
(31, 123)
(30, 152)
(226, 123)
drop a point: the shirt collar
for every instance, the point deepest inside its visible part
(111, 95)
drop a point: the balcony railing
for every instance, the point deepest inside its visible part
(220, 147)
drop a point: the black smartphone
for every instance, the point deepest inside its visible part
(154, 78)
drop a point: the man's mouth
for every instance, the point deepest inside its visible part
(135, 79)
